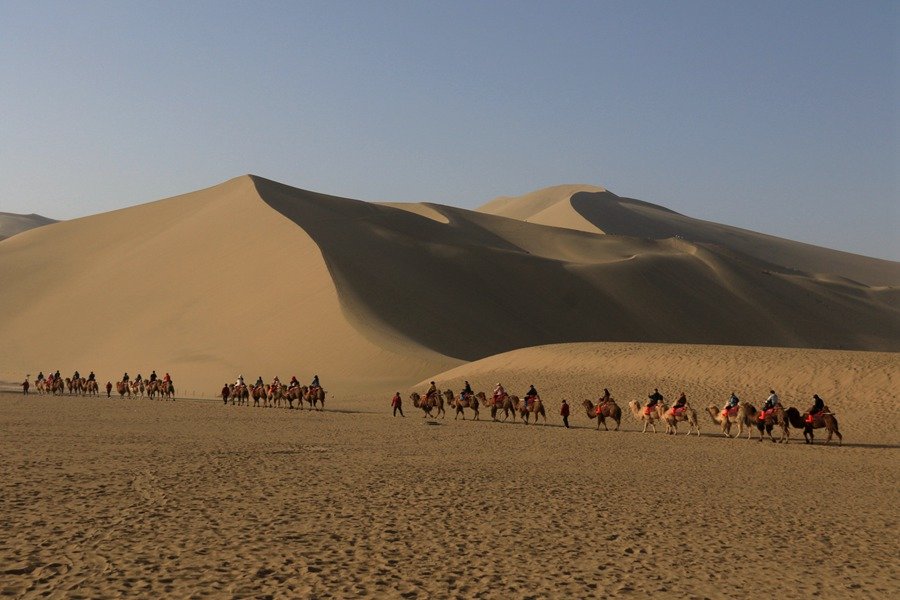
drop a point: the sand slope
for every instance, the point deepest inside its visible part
(588, 208)
(11, 223)
(260, 278)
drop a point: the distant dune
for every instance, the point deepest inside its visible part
(259, 278)
(11, 223)
(588, 208)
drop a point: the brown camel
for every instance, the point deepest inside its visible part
(314, 396)
(92, 388)
(648, 418)
(259, 393)
(503, 403)
(601, 412)
(525, 410)
(775, 417)
(428, 404)
(123, 389)
(460, 404)
(745, 415)
(824, 419)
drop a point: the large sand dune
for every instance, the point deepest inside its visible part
(260, 278)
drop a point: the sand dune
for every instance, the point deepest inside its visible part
(259, 278)
(11, 223)
(588, 208)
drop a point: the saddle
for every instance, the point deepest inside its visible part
(730, 412)
(648, 409)
(765, 414)
(676, 411)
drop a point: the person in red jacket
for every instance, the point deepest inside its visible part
(108, 388)
(397, 404)
(564, 411)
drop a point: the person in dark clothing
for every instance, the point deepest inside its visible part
(153, 376)
(91, 376)
(138, 378)
(125, 377)
(76, 375)
(397, 404)
(818, 405)
(564, 412)
(40, 376)
(605, 398)
(682, 400)
(225, 393)
(259, 381)
(530, 395)
(732, 402)
(108, 388)
(466, 391)
(315, 382)
(655, 398)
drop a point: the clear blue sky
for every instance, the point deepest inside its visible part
(781, 117)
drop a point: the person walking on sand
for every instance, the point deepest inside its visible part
(564, 411)
(108, 388)
(25, 386)
(397, 404)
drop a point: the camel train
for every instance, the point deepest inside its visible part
(742, 417)
(275, 395)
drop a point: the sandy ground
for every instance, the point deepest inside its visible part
(109, 498)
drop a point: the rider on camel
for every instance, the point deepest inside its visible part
(499, 392)
(92, 377)
(315, 382)
(732, 402)
(679, 404)
(259, 381)
(40, 376)
(772, 401)
(432, 391)
(239, 381)
(294, 383)
(530, 396)
(655, 398)
(606, 398)
(467, 391)
(817, 407)
(125, 377)
(168, 378)
(153, 376)
(76, 375)
(138, 378)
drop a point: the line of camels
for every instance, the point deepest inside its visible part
(274, 395)
(743, 416)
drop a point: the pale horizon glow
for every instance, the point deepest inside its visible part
(777, 117)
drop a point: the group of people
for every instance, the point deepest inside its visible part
(294, 382)
(653, 399)
(54, 380)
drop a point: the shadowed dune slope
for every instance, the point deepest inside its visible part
(11, 223)
(480, 284)
(371, 296)
(588, 208)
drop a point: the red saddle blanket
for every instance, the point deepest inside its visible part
(676, 412)
(765, 414)
(730, 412)
(648, 410)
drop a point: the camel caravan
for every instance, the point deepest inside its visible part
(153, 387)
(741, 415)
(275, 394)
(56, 385)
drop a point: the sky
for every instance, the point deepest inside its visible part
(779, 117)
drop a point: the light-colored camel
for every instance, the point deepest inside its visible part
(825, 419)
(744, 417)
(428, 404)
(647, 418)
(601, 412)
(92, 388)
(167, 390)
(671, 417)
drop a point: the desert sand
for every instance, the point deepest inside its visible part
(107, 498)
(571, 289)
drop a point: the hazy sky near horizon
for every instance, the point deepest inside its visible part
(780, 117)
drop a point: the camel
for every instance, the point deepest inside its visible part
(824, 419)
(92, 388)
(525, 410)
(461, 404)
(503, 403)
(41, 386)
(427, 405)
(746, 415)
(647, 418)
(672, 418)
(259, 393)
(123, 389)
(776, 417)
(315, 396)
(238, 393)
(167, 390)
(607, 410)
